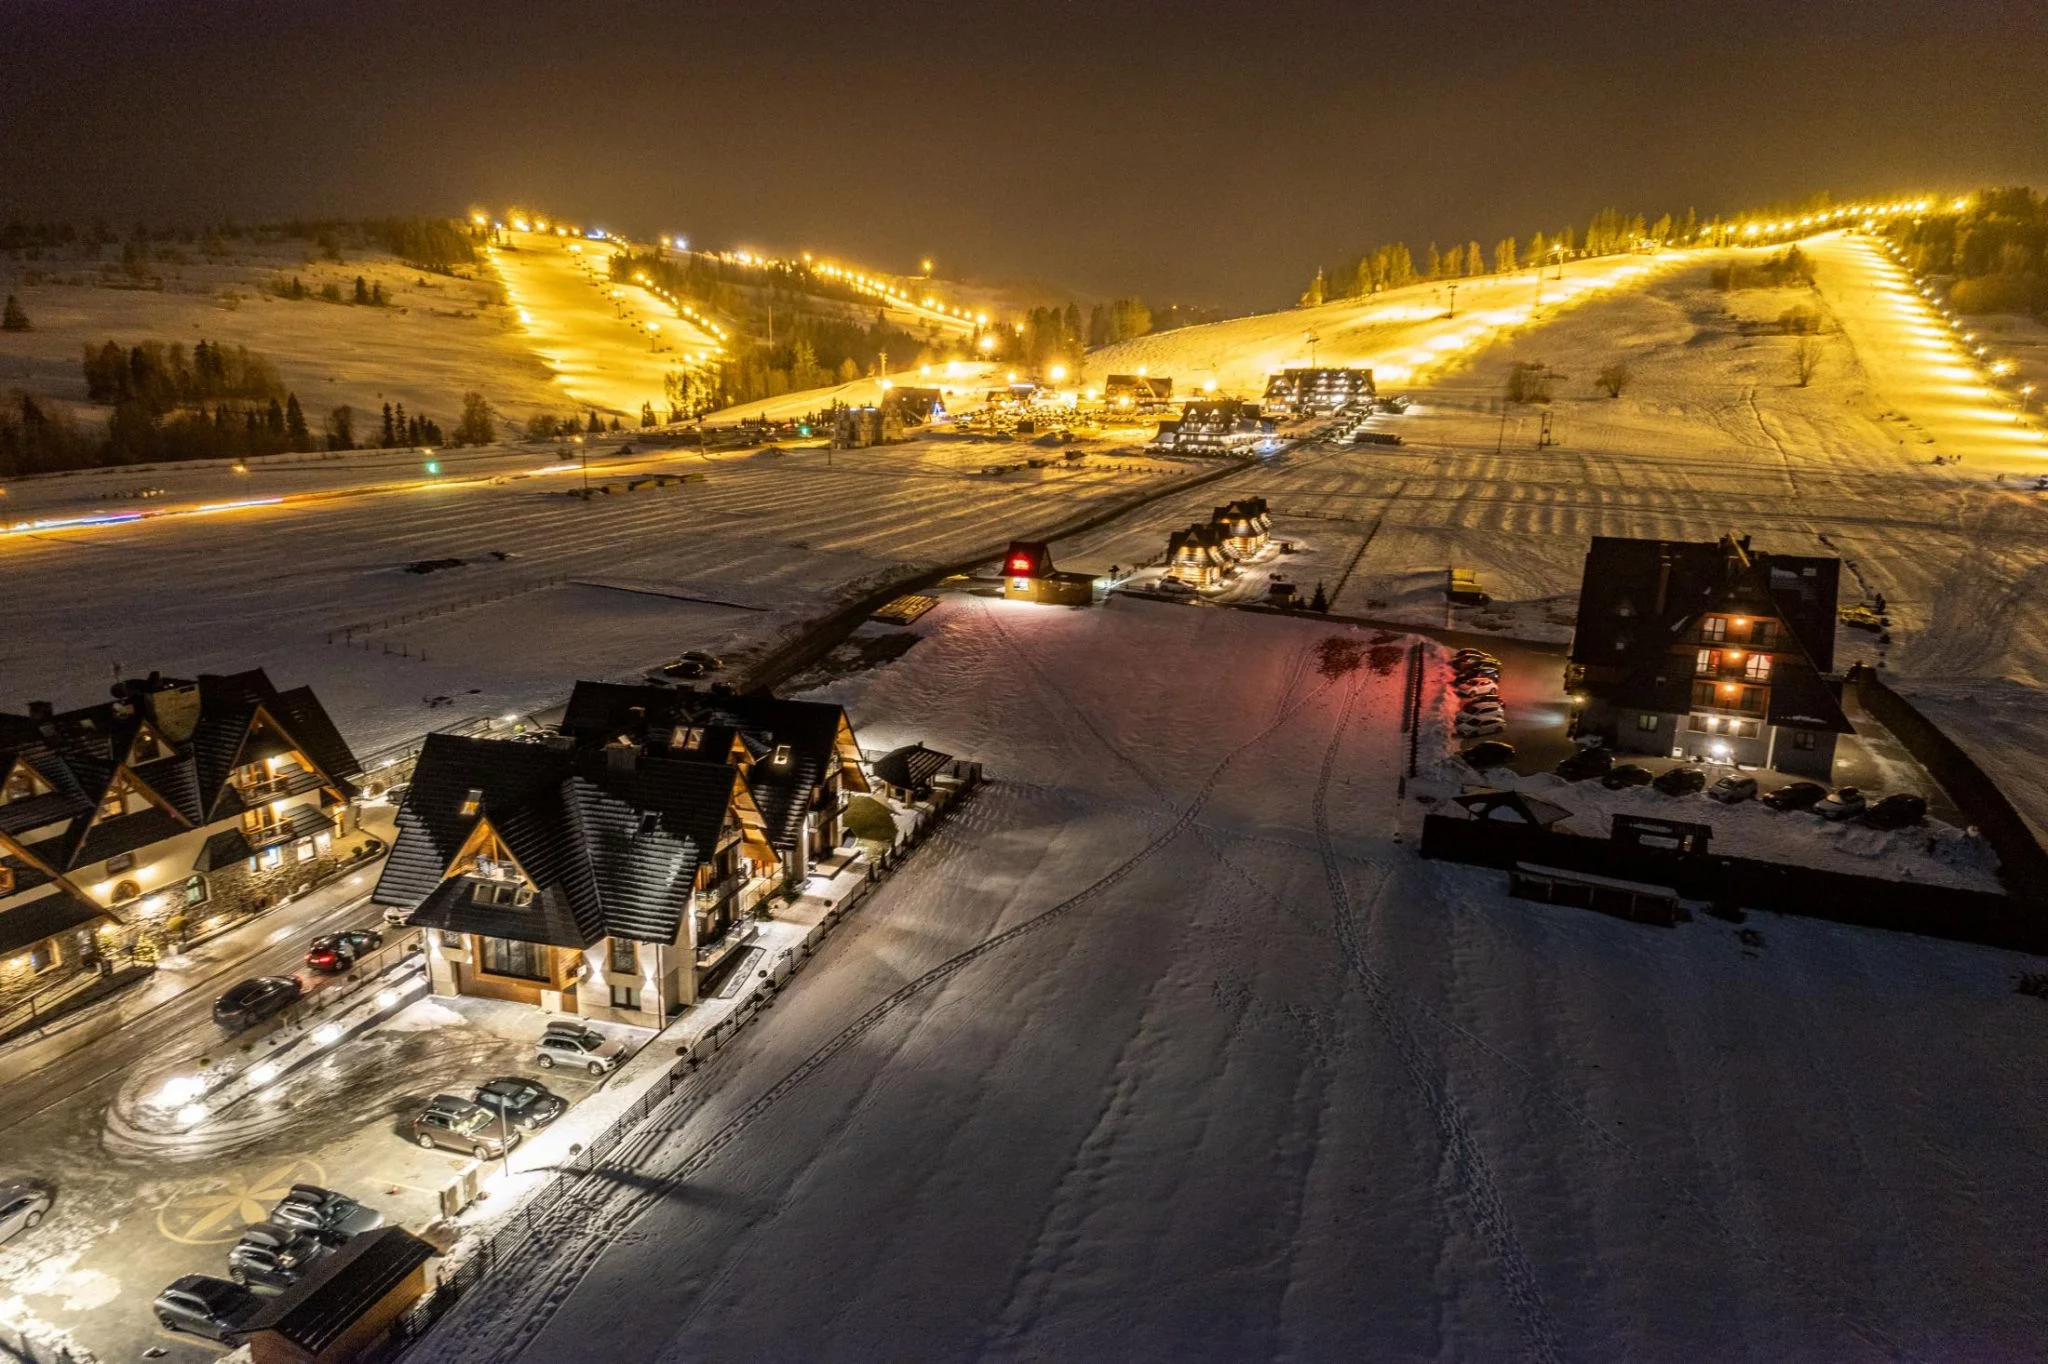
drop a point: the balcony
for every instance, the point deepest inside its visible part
(735, 936)
(712, 894)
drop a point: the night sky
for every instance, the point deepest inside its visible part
(1191, 152)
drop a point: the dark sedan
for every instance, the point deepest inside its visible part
(251, 1001)
(334, 952)
(271, 1256)
(206, 1306)
(528, 1105)
(1800, 795)
(1680, 781)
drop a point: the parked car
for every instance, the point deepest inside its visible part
(333, 952)
(1482, 705)
(682, 670)
(1679, 781)
(251, 1001)
(395, 916)
(1491, 753)
(1477, 686)
(453, 1123)
(1469, 655)
(23, 1202)
(1587, 762)
(527, 1104)
(572, 1044)
(1731, 789)
(1893, 812)
(1841, 803)
(1626, 774)
(708, 661)
(1479, 726)
(206, 1306)
(324, 1210)
(1464, 671)
(1799, 795)
(271, 1256)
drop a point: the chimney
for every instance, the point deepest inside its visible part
(41, 710)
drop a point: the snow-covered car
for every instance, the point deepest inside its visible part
(1679, 781)
(1731, 789)
(1489, 753)
(395, 916)
(1480, 726)
(324, 1210)
(1623, 775)
(1895, 811)
(1475, 686)
(1798, 795)
(1482, 705)
(1841, 803)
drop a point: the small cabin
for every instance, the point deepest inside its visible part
(1462, 588)
(1196, 557)
(1029, 575)
(344, 1307)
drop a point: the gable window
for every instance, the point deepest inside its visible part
(1714, 629)
(195, 890)
(1758, 669)
(1709, 662)
(148, 748)
(508, 957)
(472, 802)
(623, 955)
(22, 783)
(1647, 723)
(1763, 633)
(781, 754)
(6, 880)
(115, 804)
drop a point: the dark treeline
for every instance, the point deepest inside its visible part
(1393, 265)
(1995, 246)
(211, 402)
(438, 244)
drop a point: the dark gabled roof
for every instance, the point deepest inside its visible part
(78, 752)
(223, 849)
(600, 712)
(25, 925)
(123, 833)
(299, 711)
(612, 838)
(342, 1288)
(1803, 699)
(913, 766)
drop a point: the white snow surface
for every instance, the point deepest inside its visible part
(1168, 1047)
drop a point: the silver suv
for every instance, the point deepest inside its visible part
(456, 1124)
(573, 1044)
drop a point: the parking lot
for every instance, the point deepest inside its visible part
(136, 1209)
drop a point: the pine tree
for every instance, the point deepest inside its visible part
(12, 318)
(1435, 269)
(1504, 257)
(1539, 251)
(596, 425)
(476, 426)
(403, 427)
(1319, 602)
(362, 294)
(1313, 296)
(274, 421)
(646, 415)
(390, 434)
(1475, 260)
(341, 428)
(295, 430)
(378, 298)
(616, 426)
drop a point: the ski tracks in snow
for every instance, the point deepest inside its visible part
(531, 1286)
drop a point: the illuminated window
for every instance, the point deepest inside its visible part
(1647, 723)
(1709, 662)
(1758, 669)
(1714, 629)
(304, 849)
(625, 996)
(781, 754)
(272, 857)
(623, 955)
(472, 802)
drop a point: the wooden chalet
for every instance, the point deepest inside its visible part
(1710, 651)
(1029, 575)
(609, 870)
(1321, 392)
(173, 803)
(1244, 525)
(1214, 426)
(1137, 392)
(1196, 556)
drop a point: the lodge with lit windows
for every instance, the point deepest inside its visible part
(610, 869)
(131, 825)
(1709, 651)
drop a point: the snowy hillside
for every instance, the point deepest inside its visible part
(1169, 1048)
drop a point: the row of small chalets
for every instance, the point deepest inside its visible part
(1207, 552)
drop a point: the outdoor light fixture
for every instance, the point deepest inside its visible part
(327, 1034)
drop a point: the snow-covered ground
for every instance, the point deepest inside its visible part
(316, 589)
(440, 337)
(1168, 1047)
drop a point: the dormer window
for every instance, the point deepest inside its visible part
(781, 758)
(512, 894)
(23, 783)
(685, 736)
(472, 802)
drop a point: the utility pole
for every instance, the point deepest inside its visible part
(1454, 302)
(1500, 441)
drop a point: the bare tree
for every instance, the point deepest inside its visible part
(1613, 379)
(1806, 358)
